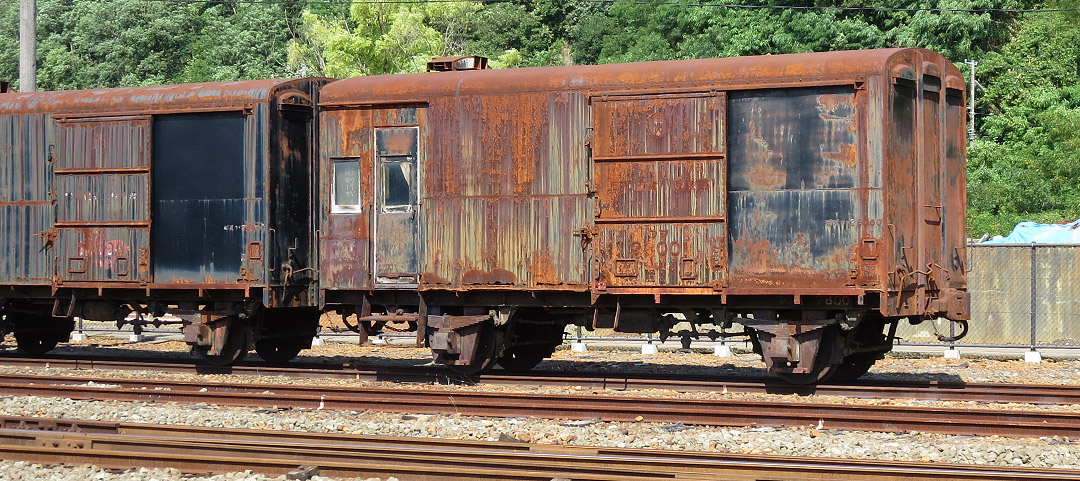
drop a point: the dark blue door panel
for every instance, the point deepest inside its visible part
(198, 192)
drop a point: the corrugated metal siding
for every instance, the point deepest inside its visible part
(795, 210)
(103, 144)
(661, 189)
(102, 197)
(503, 212)
(663, 254)
(26, 211)
(649, 125)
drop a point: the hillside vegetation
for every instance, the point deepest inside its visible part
(1024, 164)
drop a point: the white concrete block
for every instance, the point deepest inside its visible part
(579, 347)
(952, 354)
(1032, 356)
(79, 336)
(317, 341)
(136, 338)
(649, 348)
(722, 350)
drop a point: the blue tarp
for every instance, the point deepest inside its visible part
(1031, 232)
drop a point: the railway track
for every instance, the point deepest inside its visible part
(1050, 394)
(884, 418)
(206, 450)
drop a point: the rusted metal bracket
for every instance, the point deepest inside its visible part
(786, 344)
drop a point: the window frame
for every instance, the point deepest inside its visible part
(411, 179)
(335, 206)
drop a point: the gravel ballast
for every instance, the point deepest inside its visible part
(23, 471)
(790, 441)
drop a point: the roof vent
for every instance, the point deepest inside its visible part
(448, 64)
(5, 87)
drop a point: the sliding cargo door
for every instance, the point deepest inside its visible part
(794, 188)
(659, 173)
(102, 198)
(198, 197)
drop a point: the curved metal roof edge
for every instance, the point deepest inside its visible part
(405, 87)
(204, 95)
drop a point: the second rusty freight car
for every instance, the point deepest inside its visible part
(129, 203)
(814, 199)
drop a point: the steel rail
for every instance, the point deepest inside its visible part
(885, 418)
(201, 450)
(1050, 394)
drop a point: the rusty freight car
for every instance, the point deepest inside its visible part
(132, 202)
(815, 199)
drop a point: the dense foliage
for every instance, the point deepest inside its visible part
(1024, 165)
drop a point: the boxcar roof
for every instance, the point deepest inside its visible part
(160, 98)
(673, 73)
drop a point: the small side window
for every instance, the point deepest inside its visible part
(397, 183)
(346, 186)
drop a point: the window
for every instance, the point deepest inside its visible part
(346, 187)
(397, 179)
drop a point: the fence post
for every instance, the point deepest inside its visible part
(1033, 355)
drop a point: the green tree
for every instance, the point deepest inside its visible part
(239, 41)
(378, 38)
(93, 44)
(9, 42)
(1026, 163)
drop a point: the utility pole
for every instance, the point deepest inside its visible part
(971, 102)
(27, 45)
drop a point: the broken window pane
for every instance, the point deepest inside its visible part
(397, 183)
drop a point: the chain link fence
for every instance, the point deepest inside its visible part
(1021, 295)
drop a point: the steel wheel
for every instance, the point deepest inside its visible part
(869, 333)
(35, 343)
(852, 367)
(279, 350)
(524, 358)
